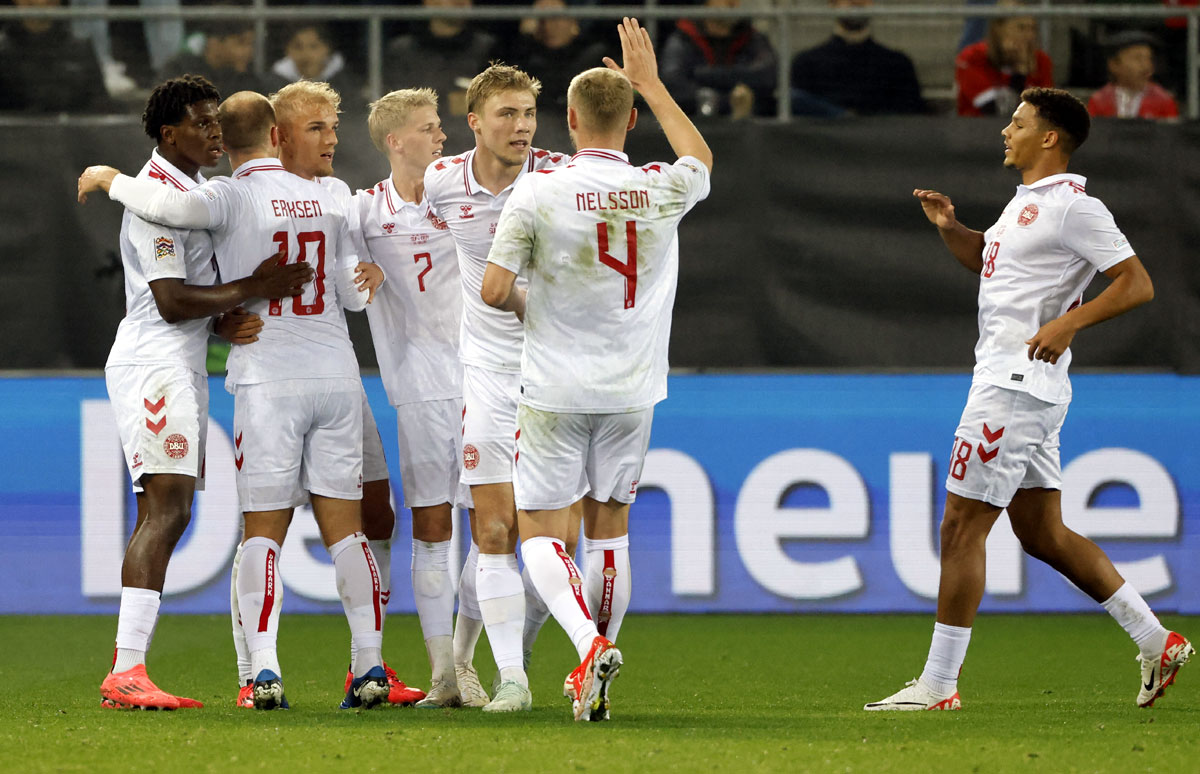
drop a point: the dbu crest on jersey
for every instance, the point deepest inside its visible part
(164, 247)
(1028, 215)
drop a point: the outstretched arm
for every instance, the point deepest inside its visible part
(966, 244)
(640, 66)
(152, 201)
(178, 301)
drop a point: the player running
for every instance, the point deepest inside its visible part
(156, 376)
(467, 192)
(1034, 264)
(598, 241)
(298, 404)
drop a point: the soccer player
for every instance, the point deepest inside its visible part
(307, 118)
(467, 192)
(298, 394)
(1033, 265)
(156, 375)
(415, 326)
(597, 239)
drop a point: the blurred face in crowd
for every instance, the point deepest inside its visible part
(195, 141)
(720, 28)
(421, 137)
(504, 126)
(556, 31)
(445, 28)
(309, 52)
(37, 26)
(1016, 40)
(1132, 67)
(234, 52)
(307, 140)
(856, 23)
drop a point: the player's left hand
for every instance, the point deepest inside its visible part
(95, 179)
(1051, 340)
(237, 326)
(368, 276)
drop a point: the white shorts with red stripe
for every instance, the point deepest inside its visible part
(563, 457)
(162, 418)
(374, 462)
(429, 434)
(489, 424)
(1006, 440)
(297, 436)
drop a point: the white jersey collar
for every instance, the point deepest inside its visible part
(1078, 182)
(472, 185)
(258, 165)
(168, 173)
(600, 154)
(392, 198)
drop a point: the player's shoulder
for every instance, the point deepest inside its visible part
(335, 186)
(446, 168)
(541, 159)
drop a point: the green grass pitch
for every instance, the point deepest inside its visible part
(697, 694)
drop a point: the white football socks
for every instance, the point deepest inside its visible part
(1136, 618)
(381, 550)
(502, 603)
(470, 621)
(359, 587)
(259, 601)
(434, 595)
(536, 613)
(235, 614)
(557, 581)
(947, 651)
(135, 626)
(608, 582)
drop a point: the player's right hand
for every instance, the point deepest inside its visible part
(938, 208)
(95, 179)
(275, 278)
(640, 63)
(237, 326)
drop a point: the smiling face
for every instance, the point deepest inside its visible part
(505, 124)
(307, 140)
(195, 141)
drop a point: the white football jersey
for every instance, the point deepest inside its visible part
(1038, 258)
(598, 239)
(415, 317)
(489, 338)
(151, 252)
(264, 208)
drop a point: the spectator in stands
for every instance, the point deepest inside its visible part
(227, 54)
(719, 66)
(162, 38)
(44, 68)
(309, 55)
(991, 74)
(551, 50)
(854, 72)
(1131, 93)
(443, 55)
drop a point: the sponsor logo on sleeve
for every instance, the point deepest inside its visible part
(1121, 242)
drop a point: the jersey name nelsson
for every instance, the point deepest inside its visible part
(612, 200)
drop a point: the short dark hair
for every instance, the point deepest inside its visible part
(1064, 112)
(169, 102)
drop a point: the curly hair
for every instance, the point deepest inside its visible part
(1063, 111)
(169, 102)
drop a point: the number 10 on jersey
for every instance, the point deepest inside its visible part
(627, 268)
(304, 240)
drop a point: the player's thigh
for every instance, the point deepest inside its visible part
(995, 444)
(333, 449)
(551, 450)
(374, 462)
(162, 419)
(489, 425)
(616, 455)
(429, 437)
(270, 423)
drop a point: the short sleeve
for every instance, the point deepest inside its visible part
(512, 247)
(693, 177)
(1089, 231)
(431, 188)
(160, 250)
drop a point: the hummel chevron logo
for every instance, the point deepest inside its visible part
(154, 408)
(986, 456)
(989, 436)
(156, 427)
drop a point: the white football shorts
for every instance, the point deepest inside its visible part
(563, 457)
(489, 425)
(162, 418)
(297, 436)
(1006, 440)
(430, 440)
(374, 462)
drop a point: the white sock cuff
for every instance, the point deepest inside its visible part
(608, 544)
(956, 633)
(1117, 596)
(535, 542)
(498, 562)
(265, 542)
(140, 596)
(379, 546)
(353, 539)
(430, 555)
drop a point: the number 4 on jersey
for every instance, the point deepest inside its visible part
(628, 268)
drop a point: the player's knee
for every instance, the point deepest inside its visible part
(171, 520)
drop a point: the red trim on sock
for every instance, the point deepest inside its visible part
(269, 596)
(574, 579)
(374, 587)
(606, 596)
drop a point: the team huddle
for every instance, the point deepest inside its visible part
(520, 304)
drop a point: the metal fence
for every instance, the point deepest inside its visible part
(779, 19)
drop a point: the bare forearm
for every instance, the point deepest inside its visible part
(965, 244)
(178, 301)
(1126, 292)
(682, 134)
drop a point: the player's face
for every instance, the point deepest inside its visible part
(309, 140)
(1023, 137)
(421, 136)
(196, 139)
(505, 125)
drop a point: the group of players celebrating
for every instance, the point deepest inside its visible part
(521, 336)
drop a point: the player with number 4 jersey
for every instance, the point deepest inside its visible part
(1033, 267)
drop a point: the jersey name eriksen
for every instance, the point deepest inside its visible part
(615, 200)
(309, 208)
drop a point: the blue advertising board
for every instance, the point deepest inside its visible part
(760, 493)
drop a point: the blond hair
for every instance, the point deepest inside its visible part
(498, 78)
(392, 111)
(602, 98)
(292, 99)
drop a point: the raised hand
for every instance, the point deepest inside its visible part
(637, 53)
(938, 208)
